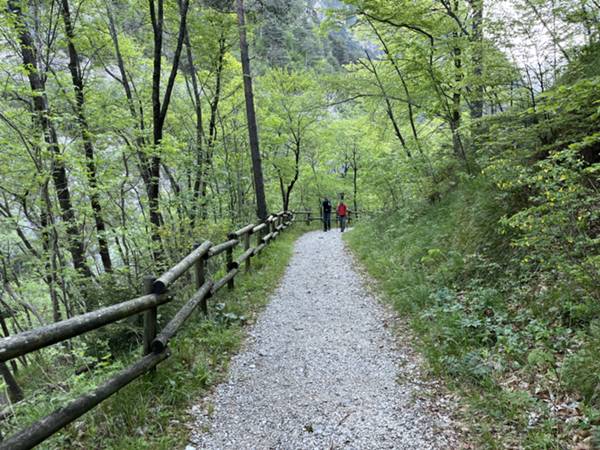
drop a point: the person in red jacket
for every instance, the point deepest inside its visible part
(342, 213)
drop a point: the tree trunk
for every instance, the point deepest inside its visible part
(43, 116)
(354, 178)
(477, 43)
(282, 190)
(159, 111)
(91, 173)
(212, 125)
(455, 118)
(15, 394)
(199, 131)
(47, 223)
(259, 185)
(286, 204)
(157, 132)
(286, 201)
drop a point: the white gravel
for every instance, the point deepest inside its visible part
(321, 370)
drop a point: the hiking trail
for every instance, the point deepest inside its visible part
(322, 369)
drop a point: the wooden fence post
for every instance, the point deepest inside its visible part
(149, 317)
(229, 265)
(259, 236)
(308, 218)
(200, 278)
(246, 248)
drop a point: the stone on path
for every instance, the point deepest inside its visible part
(320, 370)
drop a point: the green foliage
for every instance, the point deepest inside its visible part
(587, 65)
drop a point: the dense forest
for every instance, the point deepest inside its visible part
(464, 133)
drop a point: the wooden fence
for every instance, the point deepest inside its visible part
(309, 216)
(156, 293)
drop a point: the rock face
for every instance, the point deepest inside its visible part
(321, 370)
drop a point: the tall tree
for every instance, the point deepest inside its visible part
(289, 114)
(161, 107)
(199, 126)
(86, 136)
(259, 184)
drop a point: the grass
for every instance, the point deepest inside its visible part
(152, 412)
(450, 269)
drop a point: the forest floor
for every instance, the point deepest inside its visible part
(326, 366)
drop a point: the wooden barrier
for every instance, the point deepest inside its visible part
(28, 341)
(155, 346)
(218, 249)
(160, 342)
(310, 217)
(166, 279)
(259, 228)
(259, 248)
(225, 280)
(150, 316)
(245, 257)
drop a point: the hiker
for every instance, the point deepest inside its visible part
(342, 213)
(326, 214)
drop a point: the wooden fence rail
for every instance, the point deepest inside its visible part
(155, 346)
(309, 216)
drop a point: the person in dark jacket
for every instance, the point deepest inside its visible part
(326, 214)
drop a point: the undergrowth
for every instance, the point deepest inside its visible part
(521, 349)
(152, 411)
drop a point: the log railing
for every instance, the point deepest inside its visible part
(155, 344)
(309, 216)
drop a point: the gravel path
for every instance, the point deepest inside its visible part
(320, 370)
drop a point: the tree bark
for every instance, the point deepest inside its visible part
(86, 135)
(259, 185)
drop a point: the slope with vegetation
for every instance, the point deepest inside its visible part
(499, 271)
